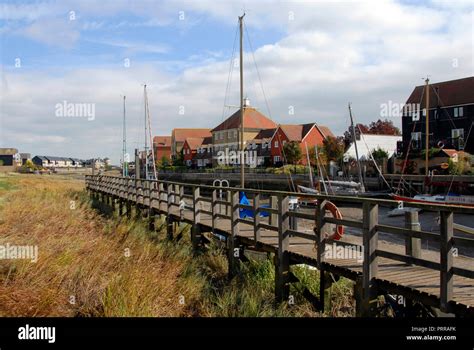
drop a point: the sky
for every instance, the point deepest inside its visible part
(304, 61)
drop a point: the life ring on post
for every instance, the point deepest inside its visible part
(336, 213)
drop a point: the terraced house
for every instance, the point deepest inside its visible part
(451, 117)
(226, 136)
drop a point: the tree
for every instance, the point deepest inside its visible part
(292, 152)
(179, 160)
(164, 162)
(333, 148)
(383, 127)
(348, 134)
(379, 154)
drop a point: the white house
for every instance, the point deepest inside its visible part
(368, 143)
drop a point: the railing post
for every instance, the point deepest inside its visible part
(256, 218)
(169, 221)
(234, 231)
(273, 218)
(321, 247)
(196, 229)
(370, 264)
(282, 266)
(412, 245)
(213, 209)
(161, 194)
(446, 259)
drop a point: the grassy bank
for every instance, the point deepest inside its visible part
(92, 265)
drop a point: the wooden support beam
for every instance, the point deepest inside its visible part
(282, 268)
(151, 219)
(446, 259)
(273, 218)
(412, 245)
(196, 229)
(234, 231)
(256, 218)
(370, 264)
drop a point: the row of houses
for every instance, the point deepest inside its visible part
(11, 160)
(451, 120)
(263, 139)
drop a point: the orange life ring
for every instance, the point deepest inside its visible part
(336, 213)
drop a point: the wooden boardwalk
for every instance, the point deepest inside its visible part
(436, 278)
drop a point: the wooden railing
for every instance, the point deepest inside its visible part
(165, 195)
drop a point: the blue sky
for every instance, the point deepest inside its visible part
(313, 58)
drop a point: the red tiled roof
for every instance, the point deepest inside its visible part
(297, 132)
(180, 135)
(162, 141)
(194, 142)
(207, 141)
(325, 131)
(451, 93)
(265, 134)
(253, 119)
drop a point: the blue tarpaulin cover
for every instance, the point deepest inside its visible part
(244, 213)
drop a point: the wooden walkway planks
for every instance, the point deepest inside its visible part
(417, 279)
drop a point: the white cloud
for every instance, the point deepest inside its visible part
(366, 53)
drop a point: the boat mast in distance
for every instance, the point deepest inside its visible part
(242, 154)
(427, 137)
(362, 188)
(124, 144)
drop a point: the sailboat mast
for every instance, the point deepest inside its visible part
(427, 136)
(362, 188)
(124, 143)
(146, 133)
(242, 154)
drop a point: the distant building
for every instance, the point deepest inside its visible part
(226, 136)
(204, 153)
(10, 159)
(179, 136)
(190, 148)
(162, 147)
(367, 143)
(58, 162)
(451, 117)
(25, 157)
(309, 135)
(261, 144)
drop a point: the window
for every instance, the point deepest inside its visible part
(416, 140)
(235, 134)
(458, 112)
(276, 144)
(229, 134)
(284, 143)
(265, 145)
(276, 159)
(458, 138)
(415, 116)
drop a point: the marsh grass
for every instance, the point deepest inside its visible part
(95, 265)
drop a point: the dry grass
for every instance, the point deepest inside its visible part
(82, 258)
(84, 268)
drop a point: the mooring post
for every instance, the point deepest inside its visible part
(282, 267)
(232, 251)
(446, 259)
(196, 229)
(412, 244)
(370, 263)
